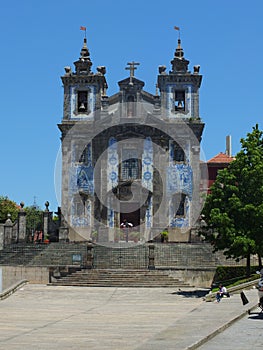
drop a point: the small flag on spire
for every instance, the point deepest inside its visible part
(176, 28)
(82, 28)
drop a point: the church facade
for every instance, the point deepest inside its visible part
(131, 157)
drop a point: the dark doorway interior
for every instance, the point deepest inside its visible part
(130, 212)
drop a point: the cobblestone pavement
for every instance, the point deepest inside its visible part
(46, 317)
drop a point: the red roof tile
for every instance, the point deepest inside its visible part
(221, 158)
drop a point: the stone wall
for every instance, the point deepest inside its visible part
(14, 274)
(202, 278)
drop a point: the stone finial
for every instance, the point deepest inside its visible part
(8, 220)
(84, 53)
(179, 52)
(68, 70)
(83, 65)
(22, 204)
(179, 63)
(196, 69)
(101, 70)
(47, 205)
(162, 69)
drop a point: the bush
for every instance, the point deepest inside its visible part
(230, 274)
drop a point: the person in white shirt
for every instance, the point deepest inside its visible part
(221, 292)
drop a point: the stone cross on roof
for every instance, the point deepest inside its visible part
(132, 68)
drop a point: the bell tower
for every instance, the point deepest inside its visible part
(179, 90)
(83, 96)
(83, 89)
(179, 101)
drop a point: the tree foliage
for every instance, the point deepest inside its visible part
(233, 212)
(34, 219)
(34, 215)
(7, 206)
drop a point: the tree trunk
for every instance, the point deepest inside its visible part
(259, 262)
(248, 266)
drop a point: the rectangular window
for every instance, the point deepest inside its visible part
(130, 169)
(130, 166)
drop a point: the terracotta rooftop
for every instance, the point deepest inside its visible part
(221, 158)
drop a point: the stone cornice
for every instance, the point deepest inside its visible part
(180, 78)
(85, 79)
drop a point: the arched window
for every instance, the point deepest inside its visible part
(177, 153)
(179, 100)
(82, 102)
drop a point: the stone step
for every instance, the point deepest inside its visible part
(117, 278)
(20, 254)
(123, 285)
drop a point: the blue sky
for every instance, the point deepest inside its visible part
(40, 38)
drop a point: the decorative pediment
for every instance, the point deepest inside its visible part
(126, 84)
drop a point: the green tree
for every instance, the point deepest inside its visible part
(34, 219)
(233, 212)
(7, 206)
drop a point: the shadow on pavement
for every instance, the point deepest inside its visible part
(192, 293)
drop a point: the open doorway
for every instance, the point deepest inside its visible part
(130, 212)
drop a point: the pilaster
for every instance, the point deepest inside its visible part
(8, 230)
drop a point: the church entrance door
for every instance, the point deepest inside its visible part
(130, 212)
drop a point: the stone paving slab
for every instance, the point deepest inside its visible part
(46, 317)
(202, 323)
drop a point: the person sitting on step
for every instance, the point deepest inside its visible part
(222, 291)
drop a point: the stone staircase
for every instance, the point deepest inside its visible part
(119, 278)
(53, 254)
(20, 254)
(123, 256)
(165, 256)
(61, 254)
(126, 256)
(190, 255)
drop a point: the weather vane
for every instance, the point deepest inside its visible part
(177, 28)
(83, 28)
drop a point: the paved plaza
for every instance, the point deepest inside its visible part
(48, 317)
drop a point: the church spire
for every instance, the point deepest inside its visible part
(83, 65)
(179, 52)
(179, 63)
(84, 53)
